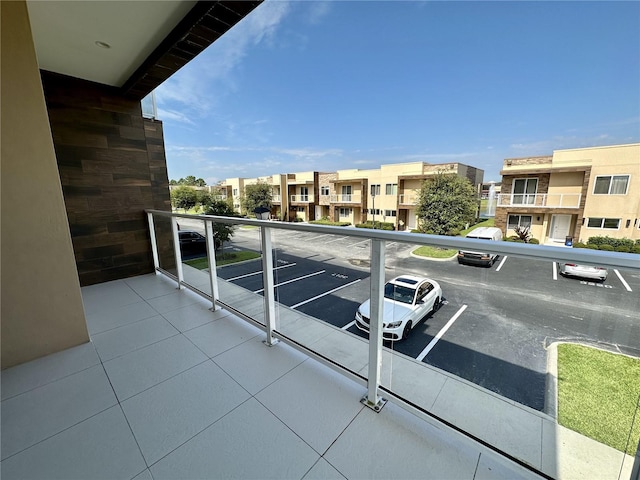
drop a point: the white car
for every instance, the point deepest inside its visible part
(407, 299)
(584, 271)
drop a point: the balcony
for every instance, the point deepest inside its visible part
(190, 375)
(276, 198)
(346, 198)
(540, 200)
(408, 199)
(220, 197)
(301, 198)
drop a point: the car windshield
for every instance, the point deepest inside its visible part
(399, 293)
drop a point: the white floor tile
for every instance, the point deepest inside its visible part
(146, 475)
(110, 318)
(490, 467)
(404, 448)
(136, 371)
(151, 286)
(217, 337)
(37, 414)
(175, 300)
(255, 365)
(193, 316)
(322, 470)
(101, 447)
(107, 296)
(315, 402)
(249, 442)
(187, 404)
(120, 341)
(30, 375)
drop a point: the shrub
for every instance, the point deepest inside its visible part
(324, 221)
(379, 225)
(534, 241)
(606, 248)
(638, 242)
(636, 249)
(596, 240)
(579, 245)
(514, 238)
(297, 219)
(614, 242)
(622, 248)
(591, 246)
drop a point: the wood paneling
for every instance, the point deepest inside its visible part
(112, 166)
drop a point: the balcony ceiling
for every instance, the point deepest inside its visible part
(148, 40)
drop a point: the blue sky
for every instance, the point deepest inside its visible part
(307, 85)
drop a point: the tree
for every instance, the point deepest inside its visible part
(222, 232)
(190, 181)
(184, 197)
(254, 196)
(446, 204)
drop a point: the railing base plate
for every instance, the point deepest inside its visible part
(376, 407)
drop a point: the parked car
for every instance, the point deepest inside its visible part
(407, 300)
(493, 234)
(584, 271)
(192, 243)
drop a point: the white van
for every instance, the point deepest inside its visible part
(480, 258)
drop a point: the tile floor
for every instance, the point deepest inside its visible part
(168, 389)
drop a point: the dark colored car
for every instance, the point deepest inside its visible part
(192, 243)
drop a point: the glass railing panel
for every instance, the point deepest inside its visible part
(164, 241)
(193, 250)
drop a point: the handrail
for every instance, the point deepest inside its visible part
(580, 255)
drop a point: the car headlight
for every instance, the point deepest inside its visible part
(358, 315)
(394, 324)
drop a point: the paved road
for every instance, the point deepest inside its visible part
(494, 325)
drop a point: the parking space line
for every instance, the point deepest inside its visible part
(624, 282)
(257, 273)
(331, 241)
(293, 280)
(349, 325)
(325, 293)
(555, 271)
(358, 243)
(442, 331)
(392, 243)
(319, 236)
(501, 263)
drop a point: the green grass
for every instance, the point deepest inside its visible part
(490, 222)
(225, 259)
(598, 395)
(434, 252)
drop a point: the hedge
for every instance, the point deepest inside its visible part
(329, 222)
(614, 242)
(379, 225)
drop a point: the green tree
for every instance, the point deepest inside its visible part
(254, 196)
(446, 204)
(184, 197)
(190, 180)
(222, 232)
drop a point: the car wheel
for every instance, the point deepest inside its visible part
(407, 329)
(436, 305)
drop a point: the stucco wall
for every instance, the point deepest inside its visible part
(42, 309)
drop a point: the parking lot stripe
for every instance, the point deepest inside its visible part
(624, 282)
(349, 325)
(256, 273)
(358, 243)
(501, 263)
(325, 293)
(337, 239)
(555, 271)
(293, 280)
(319, 236)
(444, 329)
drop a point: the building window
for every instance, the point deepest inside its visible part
(524, 191)
(304, 194)
(324, 190)
(391, 189)
(611, 185)
(375, 211)
(235, 192)
(519, 221)
(389, 213)
(375, 190)
(345, 212)
(611, 223)
(301, 209)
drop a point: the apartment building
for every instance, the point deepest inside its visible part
(578, 193)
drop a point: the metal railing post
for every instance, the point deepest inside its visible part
(211, 254)
(154, 242)
(267, 281)
(176, 249)
(372, 400)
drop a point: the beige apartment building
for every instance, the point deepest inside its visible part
(578, 193)
(386, 194)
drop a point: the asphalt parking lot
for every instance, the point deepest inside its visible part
(494, 325)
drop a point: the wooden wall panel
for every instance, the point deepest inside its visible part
(112, 166)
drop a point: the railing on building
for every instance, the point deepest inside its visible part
(300, 198)
(220, 197)
(276, 198)
(408, 199)
(384, 381)
(545, 200)
(345, 198)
